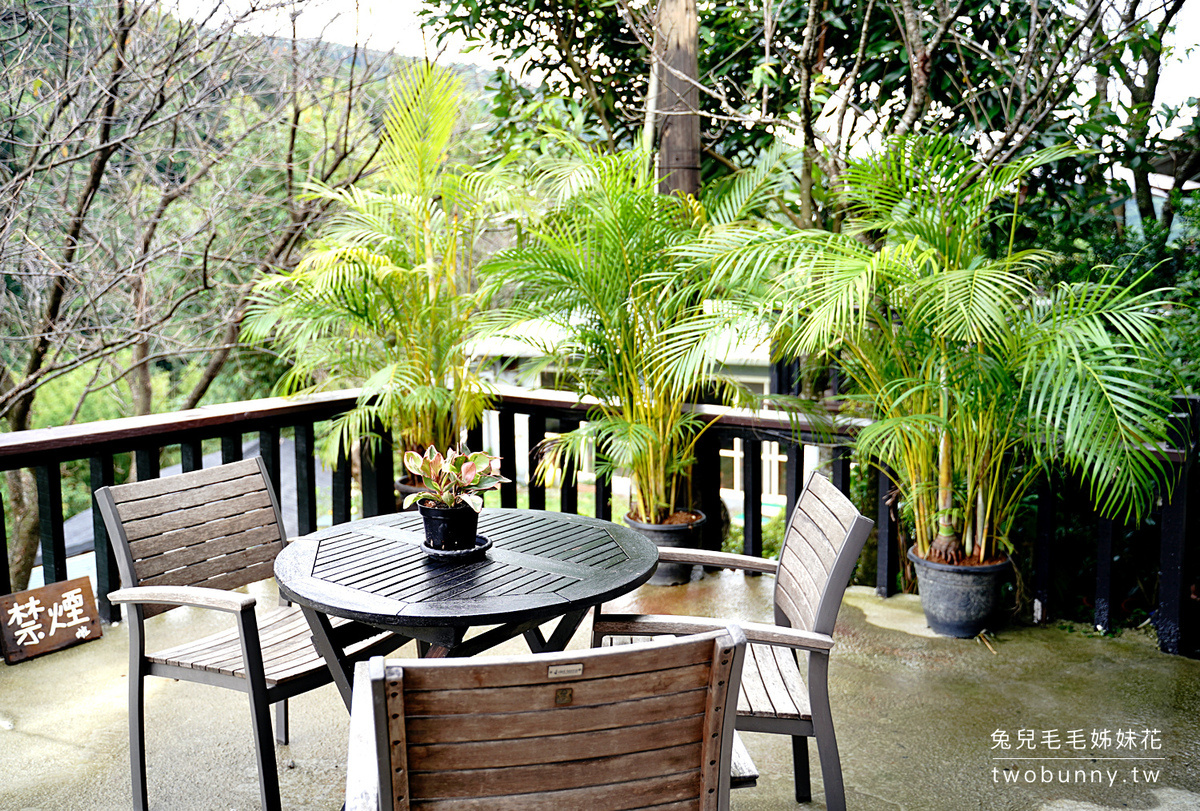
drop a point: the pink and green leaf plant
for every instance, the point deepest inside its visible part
(456, 478)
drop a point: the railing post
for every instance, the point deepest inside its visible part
(706, 477)
(268, 449)
(537, 432)
(191, 455)
(1102, 617)
(1042, 552)
(752, 496)
(378, 478)
(341, 481)
(306, 479)
(475, 437)
(108, 577)
(50, 522)
(231, 448)
(506, 426)
(604, 496)
(146, 464)
(887, 556)
(568, 493)
(840, 468)
(5, 581)
(794, 484)
(1168, 619)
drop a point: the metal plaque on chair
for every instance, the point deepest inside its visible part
(47, 619)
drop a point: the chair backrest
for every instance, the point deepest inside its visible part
(821, 546)
(218, 528)
(630, 726)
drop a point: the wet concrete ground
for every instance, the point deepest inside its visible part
(919, 719)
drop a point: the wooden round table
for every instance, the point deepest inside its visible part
(542, 565)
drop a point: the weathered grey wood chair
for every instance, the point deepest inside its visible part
(187, 540)
(822, 544)
(636, 726)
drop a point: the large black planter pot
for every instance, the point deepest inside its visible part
(449, 529)
(959, 601)
(673, 535)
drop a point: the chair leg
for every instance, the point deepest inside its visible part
(137, 708)
(137, 739)
(260, 710)
(800, 771)
(264, 744)
(831, 764)
(281, 721)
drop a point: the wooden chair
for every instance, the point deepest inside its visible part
(822, 544)
(637, 726)
(187, 540)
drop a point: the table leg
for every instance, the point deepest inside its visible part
(560, 637)
(322, 638)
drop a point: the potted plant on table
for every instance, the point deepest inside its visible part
(977, 380)
(385, 297)
(598, 286)
(451, 499)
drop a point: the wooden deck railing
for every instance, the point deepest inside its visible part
(45, 450)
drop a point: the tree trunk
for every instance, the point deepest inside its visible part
(679, 98)
(21, 507)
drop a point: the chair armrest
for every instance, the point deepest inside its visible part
(362, 769)
(782, 636)
(196, 596)
(654, 624)
(667, 554)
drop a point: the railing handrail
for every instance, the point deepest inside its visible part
(81, 440)
(78, 441)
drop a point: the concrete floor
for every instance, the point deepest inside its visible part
(916, 715)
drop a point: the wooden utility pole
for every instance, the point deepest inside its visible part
(677, 38)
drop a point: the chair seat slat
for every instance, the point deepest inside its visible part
(287, 651)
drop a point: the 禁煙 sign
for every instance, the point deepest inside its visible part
(47, 619)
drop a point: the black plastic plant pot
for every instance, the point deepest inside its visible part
(960, 601)
(672, 535)
(450, 528)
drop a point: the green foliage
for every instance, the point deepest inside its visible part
(1085, 245)
(588, 55)
(386, 298)
(599, 289)
(975, 378)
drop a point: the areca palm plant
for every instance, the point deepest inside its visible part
(976, 379)
(386, 298)
(632, 323)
